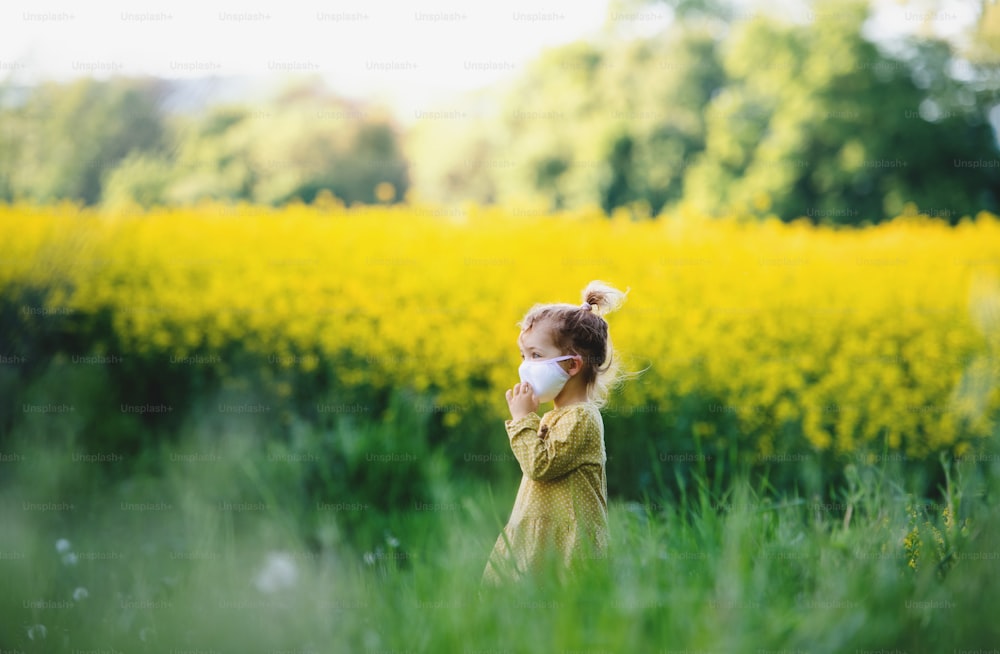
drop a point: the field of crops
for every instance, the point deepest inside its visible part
(246, 429)
(767, 339)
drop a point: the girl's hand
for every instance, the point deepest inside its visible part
(521, 400)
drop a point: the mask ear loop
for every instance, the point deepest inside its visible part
(570, 356)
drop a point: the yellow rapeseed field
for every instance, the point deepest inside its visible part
(805, 338)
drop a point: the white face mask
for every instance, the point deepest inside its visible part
(546, 377)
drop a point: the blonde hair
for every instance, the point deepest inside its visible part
(581, 329)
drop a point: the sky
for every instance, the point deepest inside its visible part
(410, 55)
(403, 53)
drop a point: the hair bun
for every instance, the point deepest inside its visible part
(602, 297)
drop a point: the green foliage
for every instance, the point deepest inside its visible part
(291, 148)
(599, 125)
(816, 121)
(65, 139)
(140, 178)
(728, 113)
(111, 142)
(160, 563)
(726, 110)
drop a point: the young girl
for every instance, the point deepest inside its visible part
(561, 509)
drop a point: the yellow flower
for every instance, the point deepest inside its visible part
(806, 338)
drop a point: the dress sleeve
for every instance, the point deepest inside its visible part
(561, 450)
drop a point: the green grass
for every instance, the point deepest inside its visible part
(167, 566)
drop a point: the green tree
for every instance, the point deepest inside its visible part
(301, 143)
(600, 124)
(726, 112)
(817, 121)
(67, 138)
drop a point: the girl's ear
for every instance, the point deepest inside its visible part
(575, 365)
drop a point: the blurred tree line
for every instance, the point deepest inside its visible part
(113, 142)
(744, 111)
(724, 110)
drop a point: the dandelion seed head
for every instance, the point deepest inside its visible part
(279, 571)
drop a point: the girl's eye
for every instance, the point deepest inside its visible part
(535, 354)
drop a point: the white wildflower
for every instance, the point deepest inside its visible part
(279, 571)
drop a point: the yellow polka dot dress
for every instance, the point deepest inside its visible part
(561, 508)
